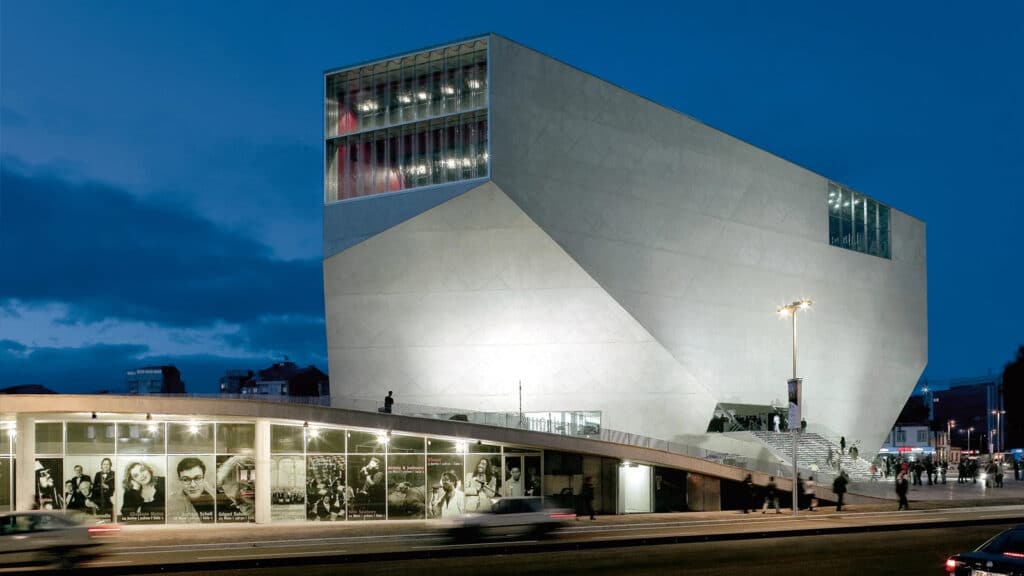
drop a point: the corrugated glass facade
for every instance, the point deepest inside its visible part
(407, 122)
(857, 222)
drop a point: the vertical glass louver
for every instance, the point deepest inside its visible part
(857, 222)
(408, 122)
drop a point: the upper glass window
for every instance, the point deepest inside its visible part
(857, 222)
(435, 83)
(414, 121)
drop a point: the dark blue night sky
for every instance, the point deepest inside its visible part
(160, 188)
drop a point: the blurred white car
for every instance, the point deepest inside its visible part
(53, 538)
(509, 517)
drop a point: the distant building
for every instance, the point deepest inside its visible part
(954, 415)
(154, 380)
(235, 381)
(281, 379)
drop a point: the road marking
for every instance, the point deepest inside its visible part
(262, 556)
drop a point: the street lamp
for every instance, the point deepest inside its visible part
(794, 390)
(999, 431)
(969, 430)
(949, 439)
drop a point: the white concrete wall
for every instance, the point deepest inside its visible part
(700, 236)
(458, 305)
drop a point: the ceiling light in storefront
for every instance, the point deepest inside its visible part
(405, 98)
(367, 106)
(382, 438)
(314, 433)
(460, 447)
(152, 428)
(474, 84)
(422, 95)
(447, 89)
(193, 428)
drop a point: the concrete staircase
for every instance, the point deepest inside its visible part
(813, 454)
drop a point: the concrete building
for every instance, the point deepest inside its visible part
(494, 217)
(154, 380)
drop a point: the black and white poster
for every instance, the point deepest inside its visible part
(49, 492)
(514, 484)
(327, 492)
(236, 488)
(93, 485)
(444, 480)
(190, 496)
(6, 481)
(366, 477)
(143, 489)
(407, 484)
(287, 488)
(482, 481)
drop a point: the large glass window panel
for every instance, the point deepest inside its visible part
(445, 446)
(325, 440)
(407, 486)
(233, 438)
(49, 438)
(328, 491)
(883, 232)
(857, 222)
(140, 438)
(366, 443)
(482, 481)
(444, 480)
(190, 438)
(406, 444)
(366, 473)
(90, 438)
(860, 234)
(286, 439)
(872, 227)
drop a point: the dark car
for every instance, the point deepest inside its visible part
(509, 517)
(1002, 555)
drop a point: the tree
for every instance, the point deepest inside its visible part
(1012, 390)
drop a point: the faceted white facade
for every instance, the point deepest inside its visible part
(621, 257)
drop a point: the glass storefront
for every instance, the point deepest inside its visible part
(180, 472)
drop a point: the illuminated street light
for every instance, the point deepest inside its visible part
(794, 390)
(998, 433)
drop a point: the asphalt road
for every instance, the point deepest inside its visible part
(653, 544)
(903, 553)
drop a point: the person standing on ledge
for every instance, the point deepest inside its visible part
(388, 401)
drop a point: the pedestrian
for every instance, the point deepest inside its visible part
(902, 486)
(771, 496)
(809, 489)
(586, 499)
(751, 497)
(999, 475)
(799, 492)
(1016, 468)
(839, 487)
(388, 402)
(842, 444)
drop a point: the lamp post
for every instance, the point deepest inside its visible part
(949, 439)
(969, 430)
(998, 435)
(794, 391)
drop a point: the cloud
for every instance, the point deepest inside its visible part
(109, 254)
(302, 339)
